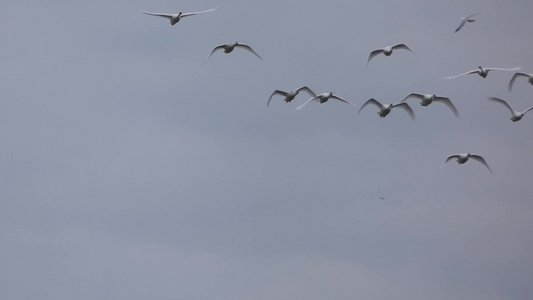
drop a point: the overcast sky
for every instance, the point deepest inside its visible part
(132, 166)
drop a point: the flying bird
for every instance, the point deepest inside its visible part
(387, 51)
(289, 96)
(517, 75)
(464, 157)
(515, 115)
(385, 109)
(483, 72)
(228, 48)
(175, 18)
(464, 20)
(427, 99)
(323, 98)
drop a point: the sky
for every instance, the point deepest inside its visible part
(135, 166)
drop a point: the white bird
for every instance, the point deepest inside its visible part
(516, 115)
(385, 109)
(517, 75)
(289, 96)
(228, 48)
(387, 51)
(464, 157)
(483, 72)
(427, 99)
(464, 20)
(175, 18)
(323, 98)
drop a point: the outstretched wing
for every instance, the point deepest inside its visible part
(463, 22)
(276, 92)
(372, 101)
(306, 89)
(168, 16)
(402, 46)
(454, 156)
(515, 76)
(300, 107)
(246, 47)
(405, 107)
(481, 160)
(197, 12)
(498, 100)
(463, 74)
(419, 96)
(342, 100)
(216, 49)
(373, 54)
(504, 69)
(525, 111)
(448, 103)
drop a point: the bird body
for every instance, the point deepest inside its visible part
(387, 51)
(427, 99)
(228, 48)
(518, 75)
(515, 115)
(483, 72)
(385, 109)
(175, 18)
(289, 96)
(464, 157)
(323, 98)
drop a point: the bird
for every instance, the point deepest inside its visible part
(323, 98)
(289, 96)
(483, 72)
(517, 75)
(387, 51)
(464, 157)
(464, 20)
(228, 48)
(427, 99)
(175, 18)
(516, 115)
(385, 109)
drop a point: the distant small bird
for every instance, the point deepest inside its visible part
(323, 98)
(289, 96)
(517, 75)
(483, 72)
(385, 109)
(464, 157)
(427, 99)
(175, 18)
(387, 51)
(464, 20)
(228, 48)
(516, 115)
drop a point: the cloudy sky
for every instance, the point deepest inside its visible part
(132, 166)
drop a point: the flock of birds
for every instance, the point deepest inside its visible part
(383, 108)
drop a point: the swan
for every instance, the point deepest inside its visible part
(385, 109)
(387, 51)
(464, 20)
(427, 99)
(323, 98)
(464, 157)
(175, 18)
(228, 48)
(289, 96)
(483, 72)
(516, 115)
(517, 75)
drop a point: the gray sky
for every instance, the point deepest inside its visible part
(134, 167)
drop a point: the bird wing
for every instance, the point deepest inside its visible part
(525, 111)
(220, 47)
(463, 22)
(402, 46)
(463, 74)
(372, 101)
(419, 96)
(472, 15)
(515, 76)
(300, 107)
(448, 103)
(278, 92)
(453, 156)
(481, 160)
(406, 107)
(197, 12)
(168, 16)
(244, 46)
(373, 54)
(504, 69)
(306, 89)
(342, 100)
(494, 99)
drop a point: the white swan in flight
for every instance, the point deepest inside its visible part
(323, 98)
(427, 99)
(385, 109)
(464, 20)
(228, 48)
(464, 157)
(175, 18)
(483, 72)
(289, 96)
(515, 115)
(387, 51)
(518, 75)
